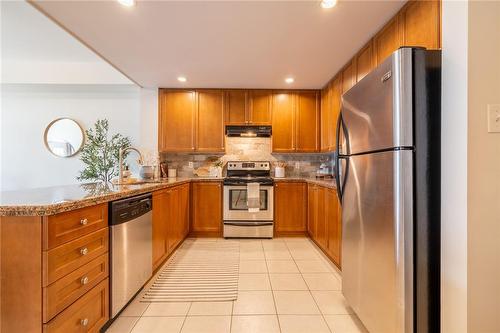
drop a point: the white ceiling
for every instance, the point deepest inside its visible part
(231, 44)
(35, 50)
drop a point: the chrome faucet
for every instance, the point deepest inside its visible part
(122, 151)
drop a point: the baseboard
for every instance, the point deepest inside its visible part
(290, 234)
(326, 254)
(204, 234)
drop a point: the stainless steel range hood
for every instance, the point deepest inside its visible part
(249, 131)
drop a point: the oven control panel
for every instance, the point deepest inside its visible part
(248, 165)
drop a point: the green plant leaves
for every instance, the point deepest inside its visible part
(100, 154)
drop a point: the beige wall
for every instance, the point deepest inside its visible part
(483, 181)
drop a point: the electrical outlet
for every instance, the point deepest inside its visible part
(190, 165)
(494, 118)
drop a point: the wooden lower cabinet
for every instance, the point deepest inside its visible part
(316, 221)
(334, 225)
(170, 221)
(52, 280)
(290, 209)
(160, 218)
(87, 314)
(324, 225)
(206, 209)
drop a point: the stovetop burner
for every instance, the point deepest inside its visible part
(244, 172)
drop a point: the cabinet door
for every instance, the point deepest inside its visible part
(184, 211)
(236, 107)
(326, 123)
(173, 219)
(176, 120)
(290, 208)
(422, 24)
(365, 61)
(388, 40)
(333, 225)
(348, 76)
(260, 107)
(206, 208)
(320, 218)
(283, 122)
(210, 122)
(160, 207)
(312, 208)
(307, 121)
(336, 93)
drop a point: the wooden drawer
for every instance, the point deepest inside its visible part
(64, 227)
(68, 289)
(66, 258)
(88, 314)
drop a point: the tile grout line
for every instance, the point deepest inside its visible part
(272, 290)
(309, 289)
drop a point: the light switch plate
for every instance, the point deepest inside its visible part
(494, 118)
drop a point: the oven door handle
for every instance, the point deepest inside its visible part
(249, 224)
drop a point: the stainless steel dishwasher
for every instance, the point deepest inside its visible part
(131, 248)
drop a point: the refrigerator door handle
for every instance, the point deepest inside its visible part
(337, 134)
(340, 183)
(337, 159)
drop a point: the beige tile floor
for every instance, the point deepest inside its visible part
(285, 285)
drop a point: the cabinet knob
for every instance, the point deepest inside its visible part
(84, 280)
(84, 221)
(84, 322)
(84, 251)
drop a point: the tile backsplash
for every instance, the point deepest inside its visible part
(249, 149)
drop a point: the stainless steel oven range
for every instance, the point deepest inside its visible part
(241, 219)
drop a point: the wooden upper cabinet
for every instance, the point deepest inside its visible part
(210, 122)
(176, 120)
(260, 102)
(336, 93)
(283, 122)
(365, 61)
(349, 76)
(290, 208)
(307, 115)
(206, 208)
(422, 24)
(326, 120)
(388, 40)
(236, 107)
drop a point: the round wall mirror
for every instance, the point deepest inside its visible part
(63, 137)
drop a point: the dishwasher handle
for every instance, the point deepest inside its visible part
(124, 210)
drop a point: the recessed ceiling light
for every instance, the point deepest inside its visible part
(181, 79)
(127, 3)
(326, 4)
(289, 80)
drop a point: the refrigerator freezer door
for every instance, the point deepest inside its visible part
(377, 111)
(377, 256)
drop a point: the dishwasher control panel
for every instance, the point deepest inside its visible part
(128, 209)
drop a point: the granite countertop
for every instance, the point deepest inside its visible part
(329, 183)
(58, 199)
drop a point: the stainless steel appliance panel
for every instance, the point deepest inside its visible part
(377, 255)
(377, 111)
(248, 229)
(235, 204)
(131, 257)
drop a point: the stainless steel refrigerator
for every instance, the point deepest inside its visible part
(388, 180)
